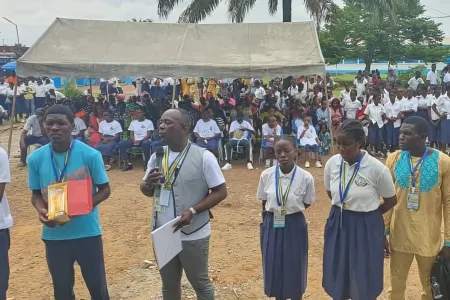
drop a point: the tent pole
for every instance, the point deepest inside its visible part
(174, 91)
(11, 121)
(329, 115)
(90, 85)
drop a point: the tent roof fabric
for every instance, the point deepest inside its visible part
(90, 48)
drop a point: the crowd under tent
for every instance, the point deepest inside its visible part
(93, 49)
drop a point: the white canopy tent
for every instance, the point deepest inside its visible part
(93, 49)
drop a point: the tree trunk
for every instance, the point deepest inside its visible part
(368, 65)
(287, 10)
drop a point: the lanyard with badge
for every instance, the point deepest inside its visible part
(60, 174)
(413, 197)
(344, 189)
(279, 218)
(171, 171)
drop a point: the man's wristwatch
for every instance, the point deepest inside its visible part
(193, 211)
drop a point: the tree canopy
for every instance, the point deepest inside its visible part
(353, 32)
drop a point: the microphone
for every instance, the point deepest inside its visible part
(158, 165)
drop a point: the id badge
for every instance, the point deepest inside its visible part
(413, 201)
(278, 220)
(165, 197)
(158, 206)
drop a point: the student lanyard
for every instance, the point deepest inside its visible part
(60, 174)
(176, 164)
(414, 170)
(279, 190)
(343, 189)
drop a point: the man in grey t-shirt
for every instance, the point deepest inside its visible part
(37, 136)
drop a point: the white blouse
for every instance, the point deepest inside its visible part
(302, 190)
(373, 180)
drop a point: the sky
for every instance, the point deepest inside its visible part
(33, 17)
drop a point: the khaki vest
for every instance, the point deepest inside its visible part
(189, 189)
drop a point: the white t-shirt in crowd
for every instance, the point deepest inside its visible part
(310, 136)
(432, 77)
(447, 78)
(408, 104)
(375, 113)
(443, 104)
(392, 110)
(373, 180)
(345, 95)
(292, 91)
(414, 83)
(267, 131)
(213, 176)
(140, 129)
(40, 90)
(260, 93)
(49, 87)
(6, 220)
(422, 102)
(112, 128)
(79, 125)
(301, 192)
(33, 124)
(206, 129)
(360, 86)
(351, 108)
(239, 134)
(432, 100)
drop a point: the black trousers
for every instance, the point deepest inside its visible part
(4, 262)
(88, 253)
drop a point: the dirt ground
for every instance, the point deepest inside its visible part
(235, 259)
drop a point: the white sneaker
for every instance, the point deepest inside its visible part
(249, 166)
(307, 164)
(318, 164)
(227, 167)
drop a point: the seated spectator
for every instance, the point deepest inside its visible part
(323, 115)
(92, 136)
(110, 131)
(37, 136)
(271, 110)
(239, 136)
(3, 115)
(140, 136)
(208, 132)
(308, 138)
(325, 140)
(56, 97)
(271, 131)
(79, 129)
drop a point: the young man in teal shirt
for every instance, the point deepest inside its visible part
(79, 240)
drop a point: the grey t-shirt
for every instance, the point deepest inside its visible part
(33, 125)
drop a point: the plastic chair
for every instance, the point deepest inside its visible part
(240, 150)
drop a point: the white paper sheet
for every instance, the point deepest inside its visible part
(166, 243)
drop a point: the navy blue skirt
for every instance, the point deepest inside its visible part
(285, 256)
(353, 257)
(434, 131)
(375, 134)
(445, 131)
(391, 134)
(422, 113)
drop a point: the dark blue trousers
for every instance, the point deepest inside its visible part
(4, 262)
(88, 253)
(30, 140)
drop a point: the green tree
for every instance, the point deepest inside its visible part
(319, 10)
(141, 20)
(354, 32)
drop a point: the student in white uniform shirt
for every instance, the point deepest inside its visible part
(6, 223)
(271, 132)
(39, 101)
(208, 132)
(392, 123)
(110, 131)
(432, 76)
(376, 113)
(285, 191)
(422, 102)
(361, 84)
(240, 131)
(443, 104)
(49, 86)
(415, 81)
(345, 94)
(194, 185)
(352, 106)
(78, 129)
(353, 257)
(293, 89)
(434, 130)
(446, 79)
(307, 136)
(409, 104)
(260, 93)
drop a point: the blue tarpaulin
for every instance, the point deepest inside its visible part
(11, 66)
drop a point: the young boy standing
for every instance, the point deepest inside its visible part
(271, 131)
(352, 106)
(307, 136)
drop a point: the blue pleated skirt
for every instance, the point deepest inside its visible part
(434, 132)
(422, 114)
(391, 134)
(353, 257)
(285, 256)
(375, 134)
(445, 131)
